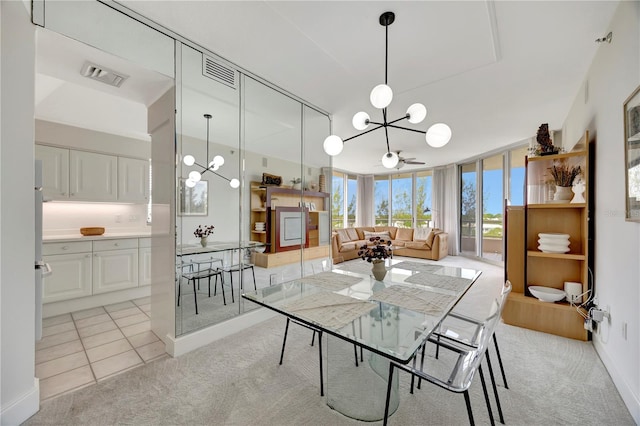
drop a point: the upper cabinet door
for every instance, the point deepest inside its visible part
(133, 180)
(93, 176)
(55, 171)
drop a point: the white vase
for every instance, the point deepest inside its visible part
(578, 190)
(563, 193)
(203, 241)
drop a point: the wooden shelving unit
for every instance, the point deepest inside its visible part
(264, 202)
(548, 269)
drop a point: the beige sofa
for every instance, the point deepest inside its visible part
(425, 243)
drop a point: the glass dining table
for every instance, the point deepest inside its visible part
(388, 319)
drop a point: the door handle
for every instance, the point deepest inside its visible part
(43, 265)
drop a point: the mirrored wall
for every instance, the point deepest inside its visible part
(270, 225)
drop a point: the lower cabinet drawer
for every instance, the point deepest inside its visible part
(115, 270)
(70, 277)
(66, 247)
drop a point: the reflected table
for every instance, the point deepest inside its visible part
(389, 319)
(216, 247)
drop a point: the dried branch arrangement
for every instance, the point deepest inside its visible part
(564, 174)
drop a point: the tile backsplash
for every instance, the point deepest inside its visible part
(67, 218)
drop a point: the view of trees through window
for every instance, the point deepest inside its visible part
(424, 208)
(381, 197)
(352, 193)
(468, 209)
(337, 200)
(401, 208)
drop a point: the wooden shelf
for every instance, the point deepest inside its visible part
(258, 232)
(558, 156)
(258, 209)
(567, 256)
(557, 206)
(557, 318)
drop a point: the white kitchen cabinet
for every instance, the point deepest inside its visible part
(92, 176)
(144, 261)
(55, 171)
(133, 180)
(115, 265)
(70, 276)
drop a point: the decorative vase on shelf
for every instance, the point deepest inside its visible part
(563, 193)
(379, 271)
(203, 241)
(578, 190)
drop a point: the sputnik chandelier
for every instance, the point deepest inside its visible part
(216, 162)
(437, 135)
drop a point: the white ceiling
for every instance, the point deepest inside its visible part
(493, 71)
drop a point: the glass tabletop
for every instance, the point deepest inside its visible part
(391, 317)
(215, 246)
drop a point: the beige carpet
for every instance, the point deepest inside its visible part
(237, 381)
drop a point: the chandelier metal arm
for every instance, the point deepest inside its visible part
(219, 175)
(389, 123)
(407, 128)
(363, 133)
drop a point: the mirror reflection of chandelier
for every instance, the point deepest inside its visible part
(213, 165)
(437, 135)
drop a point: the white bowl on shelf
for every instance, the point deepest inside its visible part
(553, 248)
(547, 294)
(555, 236)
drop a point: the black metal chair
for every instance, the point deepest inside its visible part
(195, 271)
(240, 268)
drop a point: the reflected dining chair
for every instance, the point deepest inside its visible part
(240, 268)
(456, 371)
(196, 270)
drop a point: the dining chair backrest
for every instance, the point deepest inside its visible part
(197, 268)
(491, 323)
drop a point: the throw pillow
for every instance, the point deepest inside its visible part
(390, 229)
(361, 230)
(384, 235)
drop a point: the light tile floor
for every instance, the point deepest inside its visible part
(85, 347)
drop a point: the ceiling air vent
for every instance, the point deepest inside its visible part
(103, 74)
(219, 72)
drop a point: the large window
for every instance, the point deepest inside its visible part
(381, 200)
(484, 185)
(337, 200)
(468, 207)
(351, 197)
(423, 213)
(516, 183)
(402, 206)
(492, 207)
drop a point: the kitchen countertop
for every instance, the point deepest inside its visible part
(106, 236)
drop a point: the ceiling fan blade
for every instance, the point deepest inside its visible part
(414, 162)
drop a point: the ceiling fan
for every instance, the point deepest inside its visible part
(405, 160)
